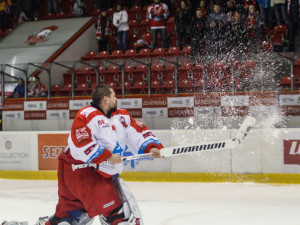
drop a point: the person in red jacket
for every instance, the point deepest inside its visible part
(100, 132)
(157, 13)
(38, 89)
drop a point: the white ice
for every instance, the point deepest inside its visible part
(170, 203)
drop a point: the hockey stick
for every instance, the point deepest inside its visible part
(180, 150)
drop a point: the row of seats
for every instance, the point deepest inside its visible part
(132, 53)
(190, 78)
(285, 83)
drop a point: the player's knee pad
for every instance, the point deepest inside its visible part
(130, 207)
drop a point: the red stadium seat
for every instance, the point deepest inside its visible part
(144, 53)
(81, 89)
(158, 52)
(130, 53)
(140, 73)
(139, 87)
(66, 90)
(155, 86)
(112, 74)
(54, 90)
(133, 27)
(102, 55)
(186, 51)
(173, 51)
(117, 54)
(197, 77)
(144, 27)
(89, 56)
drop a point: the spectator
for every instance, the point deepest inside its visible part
(293, 22)
(103, 30)
(142, 43)
(265, 7)
(202, 6)
(229, 10)
(5, 13)
(253, 28)
(197, 32)
(52, 6)
(28, 9)
(157, 13)
(238, 32)
(216, 25)
(79, 8)
(120, 21)
(38, 89)
(280, 11)
(183, 18)
(19, 90)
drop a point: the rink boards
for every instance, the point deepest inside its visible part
(266, 155)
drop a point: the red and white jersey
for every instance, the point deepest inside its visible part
(95, 137)
(157, 14)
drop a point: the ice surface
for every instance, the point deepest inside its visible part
(171, 203)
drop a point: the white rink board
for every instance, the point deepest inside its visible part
(18, 151)
(261, 152)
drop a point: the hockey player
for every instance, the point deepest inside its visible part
(100, 132)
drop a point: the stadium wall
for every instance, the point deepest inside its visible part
(266, 155)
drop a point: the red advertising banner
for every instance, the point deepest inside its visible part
(180, 112)
(13, 106)
(208, 100)
(155, 102)
(57, 104)
(291, 151)
(234, 110)
(35, 115)
(135, 113)
(73, 114)
(292, 110)
(49, 148)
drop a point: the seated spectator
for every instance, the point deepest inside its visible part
(79, 8)
(253, 28)
(238, 32)
(141, 44)
(157, 13)
(197, 33)
(183, 18)
(5, 13)
(19, 90)
(216, 24)
(103, 30)
(38, 89)
(280, 11)
(293, 23)
(120, 21)
(52, 6)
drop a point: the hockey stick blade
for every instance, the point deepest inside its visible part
(216, 145)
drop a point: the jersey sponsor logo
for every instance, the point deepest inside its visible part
(197, 148)
(103, 124)
(148, 134)
(89, 149)
(96, 154)
(86, 112)
(113, 127)
(123, 122)
(81, 134)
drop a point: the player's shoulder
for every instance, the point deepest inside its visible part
(122, 112)
(89, 112)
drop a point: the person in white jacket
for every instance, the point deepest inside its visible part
(120, 21)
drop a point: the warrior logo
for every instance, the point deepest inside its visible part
(41, 36)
